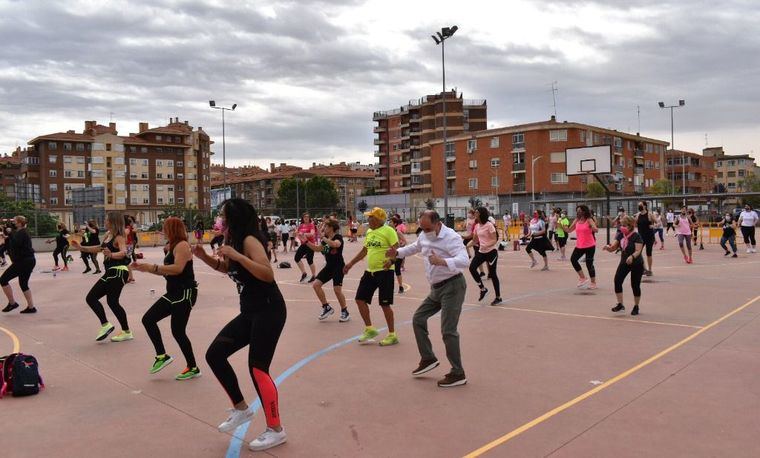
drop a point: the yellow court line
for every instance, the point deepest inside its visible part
(536, 421)
(14, 338)
(579, 315)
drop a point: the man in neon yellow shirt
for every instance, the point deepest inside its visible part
(562, 224)
(377, 241)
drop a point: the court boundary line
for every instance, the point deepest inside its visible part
(609, 318)
(578, 399)
(14, 339)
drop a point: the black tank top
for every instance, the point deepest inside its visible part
(254, 293)
(186, 278)
(110, 262)
(644, 225)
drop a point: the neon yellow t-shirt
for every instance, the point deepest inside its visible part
(377, 241)
(564, 222)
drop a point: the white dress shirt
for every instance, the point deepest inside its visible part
(447, 245)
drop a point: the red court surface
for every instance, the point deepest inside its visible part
(681, 379)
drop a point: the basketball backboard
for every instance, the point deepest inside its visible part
(588, 159)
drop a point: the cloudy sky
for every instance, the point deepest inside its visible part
(307, 75)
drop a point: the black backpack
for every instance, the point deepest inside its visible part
(19, 375)
(284, 265)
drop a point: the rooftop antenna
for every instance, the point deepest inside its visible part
(554, 97)
(638, 116)
(110, 117)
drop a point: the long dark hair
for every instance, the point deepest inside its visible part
(242, 221)
(584, 210)
(482, 214)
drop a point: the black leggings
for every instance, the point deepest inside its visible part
(304, 251)
(86, 258)
(110, 286)
(178, 305)
(63, 251)
(490, 259)
(259, 330)
(21, 268)
(636, 270)
(748, 232)
(578, 253)
(648, 243)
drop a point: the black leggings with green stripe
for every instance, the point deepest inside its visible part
(178, 305)
(110, 286)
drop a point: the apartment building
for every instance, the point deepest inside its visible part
(504, 160)
(10, 173)
(404, 137)
(140, 173)
(730, 170)
(699, 169)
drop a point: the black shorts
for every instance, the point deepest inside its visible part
(284, 238)
(552, 235)
(562, 240)
(648, 240)
(304, 251)
(354, 231)
(382, 280)
(397, 266)
(331, 273)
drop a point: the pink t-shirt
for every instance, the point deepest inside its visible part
(682, 225)
(584, 235)
(486, 237)
(305, 228)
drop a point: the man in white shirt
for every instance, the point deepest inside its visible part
(444, 256)
(748, 219)
(507, 222)
(669, 218)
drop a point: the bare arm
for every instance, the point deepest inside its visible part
(254, 259)
(218, 264)
(182, 255)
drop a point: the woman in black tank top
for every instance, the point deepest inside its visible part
(244, 257)
(115, 262)
(645, 226)
(178, 302)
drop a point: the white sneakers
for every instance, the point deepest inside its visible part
(268, 439)
(236, 418)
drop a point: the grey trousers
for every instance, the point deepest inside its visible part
(448, 299)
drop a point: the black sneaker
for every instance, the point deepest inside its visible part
(326, 311)
(401, 290)
(618, 308)
(734, 256)
(86, 270)
(311, 280)
(425, 366)
(344, 316)
(635, 310)
(450, 380)
(648, 273)
(727, 253)
(96, 272)
(29, 310)
(483, 292)
(10, 307)
(303, 277)
(496, 301)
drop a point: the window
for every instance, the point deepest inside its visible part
(180, 200)
(451, 149)
(495, 162)
(80, 159)
(159, 149)
(558, 178)
(180, 164)
(494, 182)
(557, 158)
(582, 136)
(98, 160)
(133, 176)
(144, 162)
(53, 201)
(52, 173)
(133, 187)
(97, 174)
(53, 187)
(720, 175)
(160, 200)
(133, 200)
(170, 163)
(494, 142)
(67, 159)
(67, 147)
(649, 148)
(146, 201)
(618, 142)
(472, 183)
(121, 200)
(143, 149)
(741, 172)
(32, 160)
(630, 163)
(518, 140)
(158, 138)
(159, 163)
(169, 176)
(144, 175)
(472, 145)
(52, 146)
(558, 135)
(80, 173)
(731, 185)
(119, 160)
(474, 164)
(731, 174)
(80, 147)
(67, 173)
(180, 176)
(133, 162)
(146, 187)
(108, 147)
(159, 176)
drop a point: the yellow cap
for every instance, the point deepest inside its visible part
(378, 213)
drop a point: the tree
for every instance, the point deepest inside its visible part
(751, 184)
(370, 191)
(315, 193)
(188, 215)
(475, 202)
(40, 223)
(362, 205)
(286, 194)
(661, 188)
(595, 189)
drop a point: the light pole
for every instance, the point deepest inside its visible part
(681, 103)
(440, 38)
(212, 104)
(533, 183)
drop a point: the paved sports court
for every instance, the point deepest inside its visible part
(550, 372)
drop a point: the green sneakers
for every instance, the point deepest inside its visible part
(105, 330)
(390, 339)
(160, 363)
(369, 333)
(188, 373)
(122, 336)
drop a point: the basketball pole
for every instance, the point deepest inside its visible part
(607, 193)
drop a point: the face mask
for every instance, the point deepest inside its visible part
(430, 235)
(641, 208)
(624, 230)
(535, 215)
(728, 218)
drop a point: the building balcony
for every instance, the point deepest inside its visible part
(451, 174)
(381, 190)
(405, 124)
(518, 187)
(379, 129)
(638, 153)
(518, 167)
(415, 133)
(405, 161)
(378, 153)
(379, 141)
(415, 120)
(451, 157)
(382, 165)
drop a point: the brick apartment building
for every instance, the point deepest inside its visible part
(700, 171)
(499, 161)
(404, 136)
(260, 187)
(10, 173)
(139, 173)
(731, 170)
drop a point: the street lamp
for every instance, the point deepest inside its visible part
(440, 38)
(681, 103)
(533, 183)
(212, 104)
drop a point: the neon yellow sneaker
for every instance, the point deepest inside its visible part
(122, 336)
(369, 333)
(390, 339)
(104, 331)
(188, 373)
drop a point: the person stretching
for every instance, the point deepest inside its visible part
(61, 247)
(485, 237)
(115, 262)
(584, 227)
(631, 244)
(22, 264)
(307, 233)
(178, 302)
(332, 248)
(259, 324)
